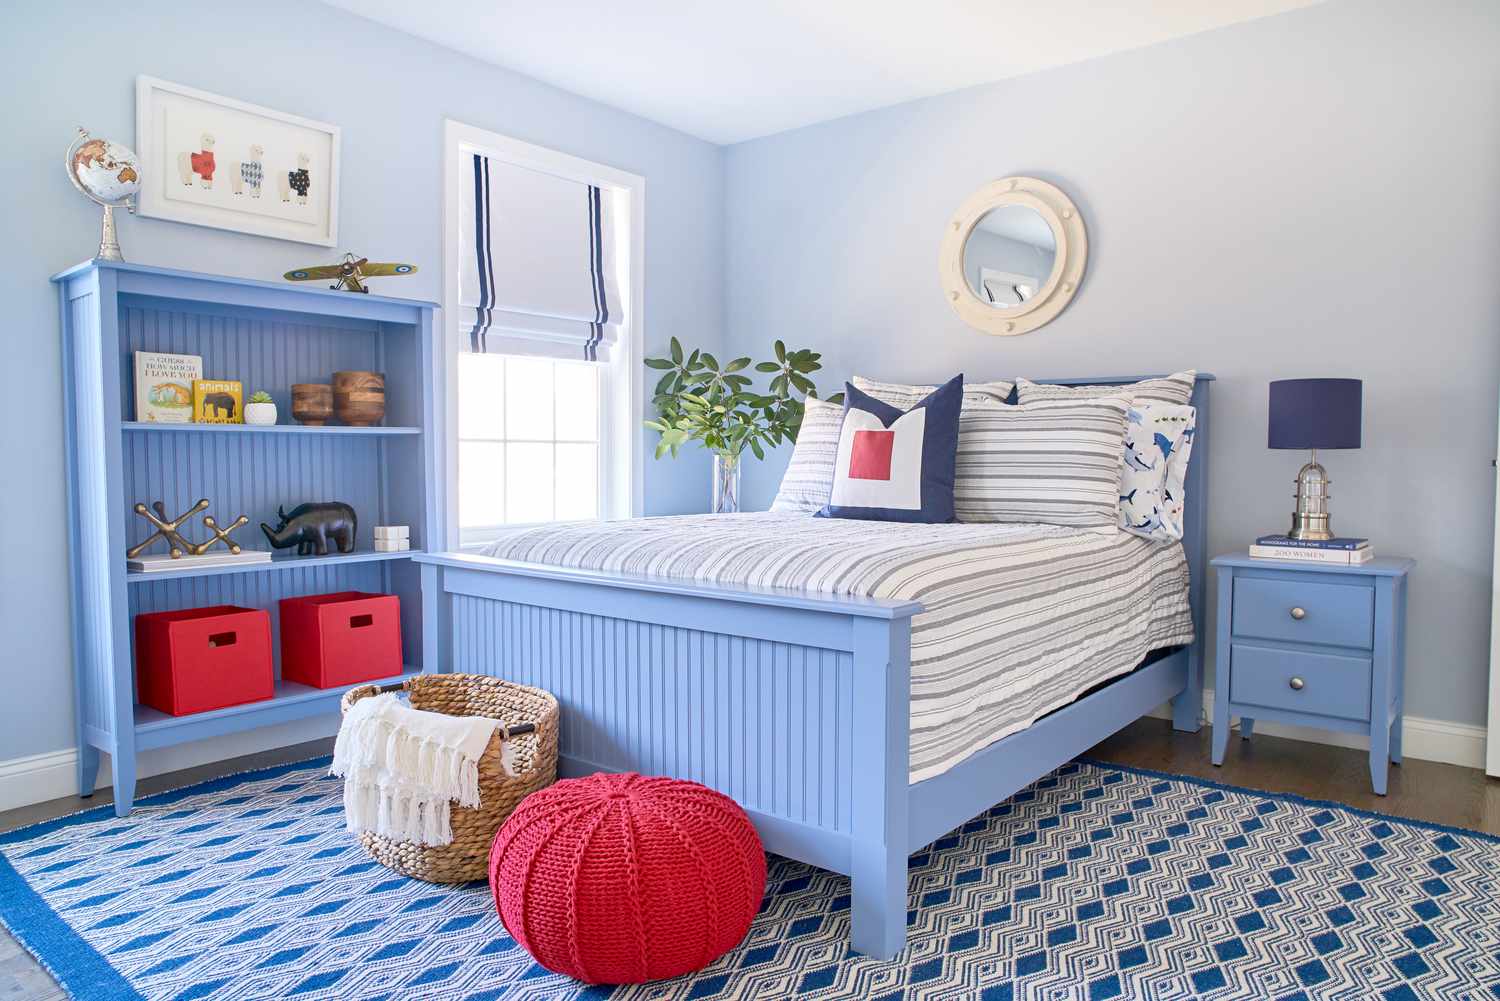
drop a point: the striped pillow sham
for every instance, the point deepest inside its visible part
(1175, 388)
(1056, 462)
(904, 397)
(808, 479)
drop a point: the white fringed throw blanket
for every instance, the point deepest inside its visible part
(402, 767)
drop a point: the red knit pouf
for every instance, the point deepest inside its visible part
(619, 879)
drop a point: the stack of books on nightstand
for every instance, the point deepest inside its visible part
(1345, 552)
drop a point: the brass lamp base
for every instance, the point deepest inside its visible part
(1310, 520)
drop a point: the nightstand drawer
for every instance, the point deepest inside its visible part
(1303, 611)
(1321, 683)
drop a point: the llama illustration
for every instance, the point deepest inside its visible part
(199, 164)
(297, 181)
(248, 174)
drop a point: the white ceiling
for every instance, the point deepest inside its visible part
(727, 72)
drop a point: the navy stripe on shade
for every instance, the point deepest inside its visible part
(482, 252)
(596, 273)
(1315, 413)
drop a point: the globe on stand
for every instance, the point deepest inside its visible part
(107, 174)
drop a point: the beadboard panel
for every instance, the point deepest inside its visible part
(92, 628)
(745, 716)
(252, 475)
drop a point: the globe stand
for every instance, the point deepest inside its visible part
(109, 244)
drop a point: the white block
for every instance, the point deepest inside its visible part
(392, 545)
(392, 531)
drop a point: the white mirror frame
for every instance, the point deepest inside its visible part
(1067, 270)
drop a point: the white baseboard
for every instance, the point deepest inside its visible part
(1422, 738)
(41, 777)
(37, 778)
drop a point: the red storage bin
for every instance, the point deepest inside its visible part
(336, 639)
(197, 659)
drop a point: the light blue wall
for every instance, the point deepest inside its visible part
(68, 64)
(1316, 193)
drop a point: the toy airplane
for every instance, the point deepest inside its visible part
(350, 274)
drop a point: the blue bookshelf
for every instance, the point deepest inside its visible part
(268, 335)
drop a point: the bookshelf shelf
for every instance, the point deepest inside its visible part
(276, 563)
(154, 728)
(269, 337)
(291, 429)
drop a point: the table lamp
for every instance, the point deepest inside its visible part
(1314, 414)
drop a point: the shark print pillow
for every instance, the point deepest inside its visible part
(1158, 442)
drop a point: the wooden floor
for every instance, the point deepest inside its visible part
(1422, 790)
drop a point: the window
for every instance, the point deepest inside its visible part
(528, 442)
(542, 306)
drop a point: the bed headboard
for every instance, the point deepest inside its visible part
(1195, 508)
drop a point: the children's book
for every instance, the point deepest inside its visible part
(164, 387)
(218, 401)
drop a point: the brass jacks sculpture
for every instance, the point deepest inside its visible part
(171, 531)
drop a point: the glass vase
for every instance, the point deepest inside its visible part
(726, 484)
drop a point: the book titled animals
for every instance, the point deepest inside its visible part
(164, 387)
(218, 401)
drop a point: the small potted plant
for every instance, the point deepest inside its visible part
(699, 400)
(261, 409)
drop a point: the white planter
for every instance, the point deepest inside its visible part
(260, 413)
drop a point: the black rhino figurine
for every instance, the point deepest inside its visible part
(310, 527)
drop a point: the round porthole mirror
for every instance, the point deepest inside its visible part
(1013, 255)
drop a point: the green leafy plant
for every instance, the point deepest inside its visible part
(261, 396)
(697, 399)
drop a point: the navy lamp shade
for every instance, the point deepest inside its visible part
(1314, 414)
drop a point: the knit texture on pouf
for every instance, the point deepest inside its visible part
(619, 879)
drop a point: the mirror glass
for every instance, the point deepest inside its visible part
(1009, 256)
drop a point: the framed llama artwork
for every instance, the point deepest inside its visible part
(214, 161)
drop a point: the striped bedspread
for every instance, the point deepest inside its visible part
(1019, 619)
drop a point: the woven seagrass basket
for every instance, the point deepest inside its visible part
(529, 716)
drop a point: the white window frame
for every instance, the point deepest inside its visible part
(622, 383)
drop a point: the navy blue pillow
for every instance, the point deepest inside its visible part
(897, 465)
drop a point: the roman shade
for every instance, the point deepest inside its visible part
(537, 269)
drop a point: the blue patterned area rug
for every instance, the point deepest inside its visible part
(1098, 882)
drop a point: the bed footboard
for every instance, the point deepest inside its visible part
(796, 706)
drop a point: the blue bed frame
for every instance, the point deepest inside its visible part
(796, 705)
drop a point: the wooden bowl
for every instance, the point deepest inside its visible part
(359, 397)
(312, 403)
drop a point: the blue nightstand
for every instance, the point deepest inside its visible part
(1313, 644)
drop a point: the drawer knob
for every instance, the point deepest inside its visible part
(1299, 613)
(1296, 684)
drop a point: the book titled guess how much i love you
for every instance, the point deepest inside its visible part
(164, 387)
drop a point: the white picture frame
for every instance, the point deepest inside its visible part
(214, 161)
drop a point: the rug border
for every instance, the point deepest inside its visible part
(79, 969)
(1291, 797)
(86, 975)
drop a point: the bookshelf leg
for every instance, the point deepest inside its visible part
(88, 769)
(124, 773)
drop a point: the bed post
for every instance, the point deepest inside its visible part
(437, 622)
(882, 771)
(1187, 707)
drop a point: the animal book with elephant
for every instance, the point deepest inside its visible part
(218, 401)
